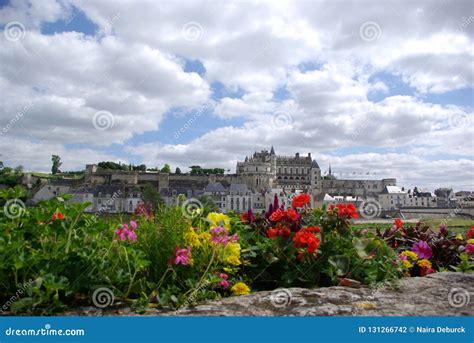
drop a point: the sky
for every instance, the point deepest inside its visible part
(374, 89)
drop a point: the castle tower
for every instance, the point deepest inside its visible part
(316, 180)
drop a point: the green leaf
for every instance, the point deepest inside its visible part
(340, 263)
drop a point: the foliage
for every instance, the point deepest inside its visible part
(169, 257)
(312, 247)
(151, 196)
(56, 160)
(443, 249)
(119, 166)
(9, 176)
(197, 170)
(166, 169)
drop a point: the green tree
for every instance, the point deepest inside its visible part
(177, 171)
(56, 164)
(166, 169)
(150, 195)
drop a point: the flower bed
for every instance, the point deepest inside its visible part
(167, 257)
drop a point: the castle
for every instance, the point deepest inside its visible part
(256, 181)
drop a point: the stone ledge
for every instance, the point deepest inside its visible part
(439, 294)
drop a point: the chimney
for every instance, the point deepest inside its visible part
(309, 155)
(297, 155)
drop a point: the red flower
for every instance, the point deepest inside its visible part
(345, 210)
(57, 216)
(285, 232)
(398, 223)
(292, 214)
(315, 229)
(306, 238)
(470, 233)
(279, 230)
(272, 233)
(277, 215)
(301, 200)
(426, 270)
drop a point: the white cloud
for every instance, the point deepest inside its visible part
(134, 70)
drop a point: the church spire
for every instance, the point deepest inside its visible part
(329, 168)
(272, 151)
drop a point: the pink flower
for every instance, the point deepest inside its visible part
(220, 236)
(124, 233)
(224, 283)
(422, 249)
(470, 248)
(183, 256)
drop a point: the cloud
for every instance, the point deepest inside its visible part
(329, 57)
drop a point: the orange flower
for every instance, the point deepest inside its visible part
(345, 210)
(307, 238)
(292, 214)
(57, 216)
(279, 230)
(272, 233)
(301, 200)
(398, 223)
(315, 229)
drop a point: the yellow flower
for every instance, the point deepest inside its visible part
(232, 254)
(410, 254)
(240, 288)
(470, 241)
(407, 264)
(424, 263)
(192, 238)
(234, 260)
(219, 219)
(460, 237)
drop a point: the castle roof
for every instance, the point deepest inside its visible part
(314, 164)
(393, 190)
(238, 187)
(213, 187)
(107, 190)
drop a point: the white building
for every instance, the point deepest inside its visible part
(392, 198)
(417, 198)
